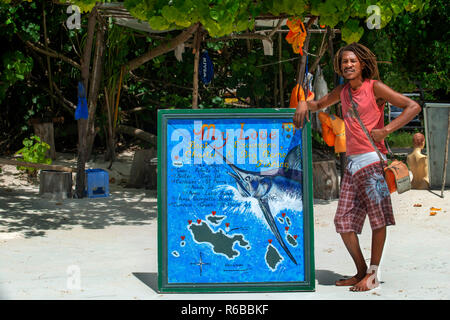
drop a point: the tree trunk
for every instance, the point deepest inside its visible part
(325, 180)
(46, 133)
(143, 170)
(82, 123)
(96, 78)
(86, 60)
(138, 133)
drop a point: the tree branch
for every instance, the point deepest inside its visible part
(50, 52)
(138, 133)
(279, 24)
(161, 49)
(68, 105)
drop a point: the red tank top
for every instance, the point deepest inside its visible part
(370, 113)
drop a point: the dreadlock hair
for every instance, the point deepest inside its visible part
(365, 56)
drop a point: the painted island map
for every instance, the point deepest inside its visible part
(234, 201)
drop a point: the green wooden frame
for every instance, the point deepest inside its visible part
(308, 220)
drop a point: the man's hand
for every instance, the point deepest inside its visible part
(379, 134)
(300, 113)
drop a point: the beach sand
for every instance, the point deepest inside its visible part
(106, 248)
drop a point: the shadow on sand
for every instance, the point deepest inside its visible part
(324, 277)
(328, 278)
(27, 213)
(150, 279)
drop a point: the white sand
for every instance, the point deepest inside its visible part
(110, 245)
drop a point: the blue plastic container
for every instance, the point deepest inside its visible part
(97, 183)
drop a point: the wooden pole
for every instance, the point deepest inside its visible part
(444, 175)
(110, 153)
(322, 50)
(44, 21)
(302, 65)
(275, 90)
(280, 70)
(342, 157)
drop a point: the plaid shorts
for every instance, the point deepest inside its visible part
(364, 192)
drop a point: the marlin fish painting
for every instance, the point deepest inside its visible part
(269, 186)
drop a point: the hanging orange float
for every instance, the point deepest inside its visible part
(298, 94)
(333, 131)
(297, 35)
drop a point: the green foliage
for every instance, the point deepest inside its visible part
(33, 151)
(401, 139)
(416, 51)
(16, 66)
(417, 47)
(352, 31)
(222, 17)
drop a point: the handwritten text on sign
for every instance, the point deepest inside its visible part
(207, 144)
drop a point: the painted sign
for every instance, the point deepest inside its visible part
(231, 193)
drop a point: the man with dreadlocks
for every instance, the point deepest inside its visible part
(363, 188)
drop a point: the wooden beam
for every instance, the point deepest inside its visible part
(37, 165)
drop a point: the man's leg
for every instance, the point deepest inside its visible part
(351, 242)
(370, 280)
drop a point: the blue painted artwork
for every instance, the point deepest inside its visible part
(234, 201)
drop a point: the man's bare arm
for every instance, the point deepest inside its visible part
(409, 106)
(301, 112)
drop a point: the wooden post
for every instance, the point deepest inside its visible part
(280, 70)
(275, 90)
(50, 81)
(302, 65)
(325, 180)
(331, 52)
(45, 131)
(143, 170)
(110, 144)
(342, 157)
